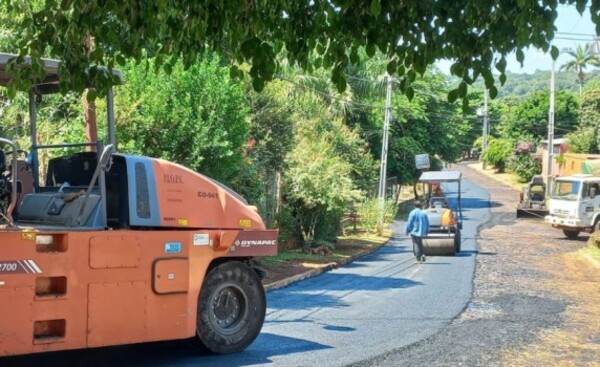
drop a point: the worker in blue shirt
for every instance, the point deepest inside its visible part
(417, 226)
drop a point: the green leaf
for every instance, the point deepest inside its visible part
(554, 52)
(370, 49)
(580, 6)
(457, 69)
(258, 84)
(392, 66)
(410, 93)
(520, 56)
(488, 78)
(233, 72)
(354, 58)
(318, 63)
(502, 79)
(249, 47)
(375, 7)
(120, 59)
(401, 70)
(462, 89)
(91, 95)
(411, 75)
(493, 92)
(501, 65)
(521, 3)
(453, 95)
(341, 84)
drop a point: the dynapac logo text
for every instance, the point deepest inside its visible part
(172, 179)
(248, 243)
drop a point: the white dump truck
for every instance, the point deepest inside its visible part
(574, 204)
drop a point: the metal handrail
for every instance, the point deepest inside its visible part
(66, 145)
(103, 165)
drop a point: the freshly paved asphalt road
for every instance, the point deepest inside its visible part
(380, 302)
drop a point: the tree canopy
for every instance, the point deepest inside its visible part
(476, 35)
(529, 116)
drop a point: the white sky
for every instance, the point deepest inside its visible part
(580, 28)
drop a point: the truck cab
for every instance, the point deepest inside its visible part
(574, 204)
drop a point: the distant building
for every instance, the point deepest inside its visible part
(574, 163)
(560, 147)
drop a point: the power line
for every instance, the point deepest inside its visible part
(573, 4)
(576, 34)
(574, 39)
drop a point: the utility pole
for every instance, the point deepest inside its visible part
(550, 149)
(486, 122)
(384, 151)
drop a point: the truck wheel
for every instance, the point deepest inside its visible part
(571, 234)
(596, 226)
(231, 308)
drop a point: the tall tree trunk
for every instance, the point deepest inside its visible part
(91, 128)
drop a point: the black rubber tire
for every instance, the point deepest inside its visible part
(596, 226)
(571, 234)
(231, 308)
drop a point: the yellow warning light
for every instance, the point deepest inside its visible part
(28, 236)
(245, 223)
(182, 222)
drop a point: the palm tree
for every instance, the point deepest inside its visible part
(582, 58)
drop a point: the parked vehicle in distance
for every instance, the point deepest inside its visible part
(574, 204)
(532, 199)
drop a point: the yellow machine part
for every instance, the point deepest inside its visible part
(448, 218)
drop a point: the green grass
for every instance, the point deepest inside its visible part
(593, 251)
(285, 256)
(404, 208)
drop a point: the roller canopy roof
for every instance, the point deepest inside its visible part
(440, 176)
(48, 85)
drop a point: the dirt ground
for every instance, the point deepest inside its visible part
(347, 248)
(534, 260)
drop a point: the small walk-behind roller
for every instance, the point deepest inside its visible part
(445, 222)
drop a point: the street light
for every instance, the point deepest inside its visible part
(550, 149)
(384, 151)
(550, 161)
(484, 113)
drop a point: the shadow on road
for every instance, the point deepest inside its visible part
(325, 293)
(172, 353)
(476, 203)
